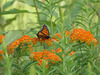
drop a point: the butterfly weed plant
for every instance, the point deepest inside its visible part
(49, 37)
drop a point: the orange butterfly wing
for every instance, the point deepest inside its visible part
(44, 33)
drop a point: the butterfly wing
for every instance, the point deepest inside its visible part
(44, 33)
(40, 35)
(45, 30)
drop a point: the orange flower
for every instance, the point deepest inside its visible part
(30, 48)
(58, 50)
(1, 38)
(67, 33)
(23, 41)
(48, 41)
(1, 52)
(36, 55)
(55, 38)
(12, 46)
(53, 57)
(82, 36)
(58, 35)
(49, 57)
(53, 50)
(94, 41)
(34, 40)
(41, 40)
(46, 55)
(72, 53)
(45, 52)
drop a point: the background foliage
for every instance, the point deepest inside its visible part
(26, 17)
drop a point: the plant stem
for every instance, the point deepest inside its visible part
(89, 69)
(1, 21)
(37, 12)
(50, 15)
(7, 59)
(70, 15)
(97, 29)
(18, 19)
(94, 9)
(20, 68)
(61, 17)
(63, 64)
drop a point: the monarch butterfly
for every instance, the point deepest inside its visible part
(43, 33)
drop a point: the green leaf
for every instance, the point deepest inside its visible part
(80, 70)
(11, 37)
(95, 26)
(89, 69)
(57, 2)
(69, 46)
(51, 71)
(81, 19)
(42, 3)
(81, 24)
(28, 65)
(9, 21)
(29, 2)
(7, 4)
(16, 65)
(13, 11)
(32, 70)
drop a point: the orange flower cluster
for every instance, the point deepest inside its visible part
(12, 46)
(60, 50)
(24, 40)
(1, 52)
(55, 38)
(48, 56)
(83, 36)
(1, 38)
(72, 53)
(45, 55)
(47, 41)
(67, 33)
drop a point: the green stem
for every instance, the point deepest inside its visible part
(50, 15)
(18, 19)
(7, 59)
(61, 17)
(70, 15)
(2, 27)
(37, 12)
(97, 29)
(63, 63)
(89, 69)
(94, 9)
(62, 25)
(8, 66)
(21, 17)
(20, 67)
(0, 5)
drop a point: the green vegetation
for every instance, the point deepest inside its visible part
(73, 47)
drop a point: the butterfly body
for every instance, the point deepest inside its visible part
(44, 33)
